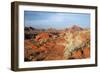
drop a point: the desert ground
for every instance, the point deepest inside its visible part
(53, 44)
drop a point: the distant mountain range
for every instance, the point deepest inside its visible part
(72, 28)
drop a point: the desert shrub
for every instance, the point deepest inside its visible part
(42, 41)
(75, 41)
(35, 43)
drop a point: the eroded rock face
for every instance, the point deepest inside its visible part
(47, 51)
(86, 52)
(35, 55)
(42, 35)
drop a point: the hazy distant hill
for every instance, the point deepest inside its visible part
(76, 28)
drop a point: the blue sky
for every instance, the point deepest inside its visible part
(58, 20)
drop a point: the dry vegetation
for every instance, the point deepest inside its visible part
(71, 43)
